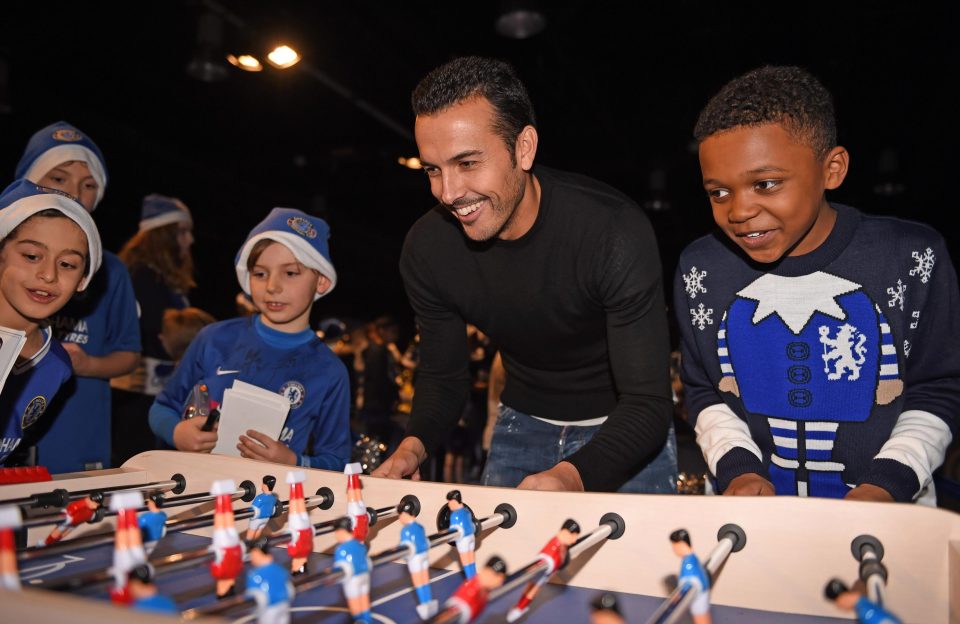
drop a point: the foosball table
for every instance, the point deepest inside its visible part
(768, 559)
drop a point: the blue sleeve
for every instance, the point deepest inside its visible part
(168, 407)
(163, 420)
(123, 326)
(331, 427)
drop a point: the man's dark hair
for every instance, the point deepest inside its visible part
(785, 95)
(472, 76)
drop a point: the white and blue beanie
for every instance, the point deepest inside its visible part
(57, 144)
(305, 236)
(23, 199)
(160, 210)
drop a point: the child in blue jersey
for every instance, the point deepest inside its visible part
(49, 250)
(99, 328)
(820, 345)
(284, 266)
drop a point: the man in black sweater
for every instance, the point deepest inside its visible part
(561, 271)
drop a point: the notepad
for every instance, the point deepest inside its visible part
(11, 342)
(246, 406)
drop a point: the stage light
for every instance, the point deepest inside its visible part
(283, 56)
(246, 62)
(410, 163)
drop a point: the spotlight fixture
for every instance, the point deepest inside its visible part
(283, 56)
(207, 64)
(520, 20)
(410, 163)
(246, 62)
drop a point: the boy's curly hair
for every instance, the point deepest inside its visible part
(787, 95)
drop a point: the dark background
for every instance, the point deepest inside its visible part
(617, 87)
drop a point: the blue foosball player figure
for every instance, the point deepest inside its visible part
(461, 519)
(414, 537)
(269, 584)
(350, 557)
(868, 612)
(264, 505)
(152, 523)
(146, 596)
(693, 575)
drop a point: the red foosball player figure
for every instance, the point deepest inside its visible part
(470, 599)
(554, 555)
(10, 520)
(298, 523)
(228, 561)
(605, 610)
(128, 550)
(868, 612)
(356, 508)
(74, 514)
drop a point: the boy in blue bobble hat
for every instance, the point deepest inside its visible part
(284, 266)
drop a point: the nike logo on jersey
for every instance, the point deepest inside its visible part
(220, 371)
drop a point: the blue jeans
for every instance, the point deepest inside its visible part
(523, 445)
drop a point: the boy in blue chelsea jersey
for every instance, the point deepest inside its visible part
(49, 250)
(284, 266)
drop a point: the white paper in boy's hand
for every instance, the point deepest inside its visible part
(11, 342)
(246, 407)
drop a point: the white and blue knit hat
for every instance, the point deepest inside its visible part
(23, 199)
(160, 210)
(305, 236)
(57, 144)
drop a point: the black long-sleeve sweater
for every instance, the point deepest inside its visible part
(575, 305)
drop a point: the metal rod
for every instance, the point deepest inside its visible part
(60, 497)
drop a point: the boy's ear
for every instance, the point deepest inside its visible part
(323, 284)
(836, 165)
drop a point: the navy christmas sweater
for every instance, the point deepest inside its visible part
(824, 371)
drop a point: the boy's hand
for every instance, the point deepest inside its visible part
(868, 492)
(405, 461)
(260, 446)
(187, 436)
(749, 484)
